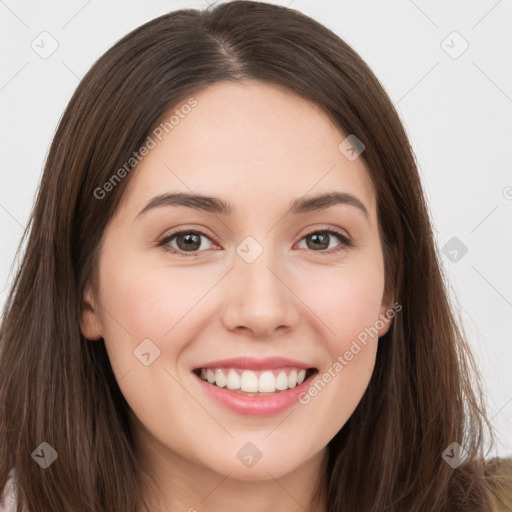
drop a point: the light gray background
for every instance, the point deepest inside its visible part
(456, 110)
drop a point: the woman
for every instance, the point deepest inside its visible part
(172, 341)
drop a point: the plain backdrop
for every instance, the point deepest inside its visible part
(445, 67)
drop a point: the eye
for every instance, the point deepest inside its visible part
(320, 241)
(189, 242)
(186, 240)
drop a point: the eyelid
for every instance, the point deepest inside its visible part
(345, 238)
(167, 238)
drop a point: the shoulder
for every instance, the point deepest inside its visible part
(7, 495)
(498, 473)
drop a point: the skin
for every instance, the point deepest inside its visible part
(293, 300)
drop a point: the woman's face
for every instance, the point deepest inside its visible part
(254, 283)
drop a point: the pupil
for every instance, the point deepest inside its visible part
(192, 241)
(323, 238)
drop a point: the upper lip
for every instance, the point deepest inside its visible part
(251, 363)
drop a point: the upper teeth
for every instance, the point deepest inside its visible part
(267, 381)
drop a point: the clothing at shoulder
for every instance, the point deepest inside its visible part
(7, 499)
(498, 471)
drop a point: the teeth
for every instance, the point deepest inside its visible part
(249, 382)
(281, 381)
(233, 381)
(292, 378)
(220, 379)
(268, 381)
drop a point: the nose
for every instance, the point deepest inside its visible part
(260, 298)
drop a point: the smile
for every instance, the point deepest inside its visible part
(256, 382)
(254, 387)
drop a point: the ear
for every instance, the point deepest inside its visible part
(387, 311)
(90, 323)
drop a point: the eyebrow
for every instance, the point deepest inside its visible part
(303, 205)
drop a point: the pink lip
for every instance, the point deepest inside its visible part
(250, 363)
(248, 405)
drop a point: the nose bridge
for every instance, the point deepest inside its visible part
(257, 266)
(263, 301)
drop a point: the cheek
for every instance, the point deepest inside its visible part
(350, 312)
(144, 302)
(148, 301)
(348, 301)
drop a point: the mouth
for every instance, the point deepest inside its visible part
(257, 383)
(254, 387)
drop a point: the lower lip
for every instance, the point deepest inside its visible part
(252, 405)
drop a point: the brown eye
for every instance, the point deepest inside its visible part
(186, 242)
(320, 241)
(189, 243)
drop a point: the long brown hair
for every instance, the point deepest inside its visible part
(57, 387)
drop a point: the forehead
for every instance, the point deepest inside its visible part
(251, 142)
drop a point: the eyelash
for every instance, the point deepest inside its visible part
(346, 242)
